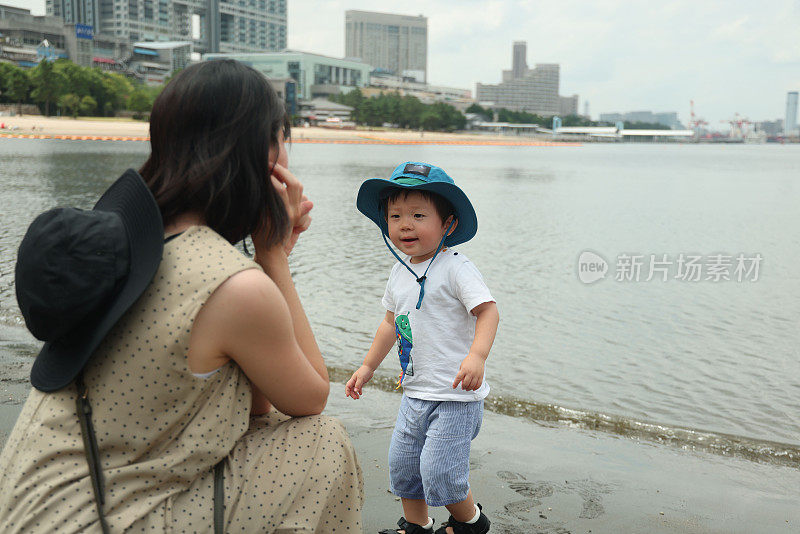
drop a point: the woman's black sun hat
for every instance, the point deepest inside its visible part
(79, 271)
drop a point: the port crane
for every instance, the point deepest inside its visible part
(695, 122)
(739, 126)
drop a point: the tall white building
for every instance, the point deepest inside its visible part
(790, 126)
(396, 44)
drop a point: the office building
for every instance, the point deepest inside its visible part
(75, 11)
(771, 128)
(533, 90)
(315, 75)
(790, 126)
(27, 39)
(211, 25)
(394, 44)
(519, 62)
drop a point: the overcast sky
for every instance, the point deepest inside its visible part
(619, 55)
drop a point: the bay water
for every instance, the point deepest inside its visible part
(715, 352)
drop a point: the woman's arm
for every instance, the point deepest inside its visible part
(276, 266)
(248, 320)
(259, 322)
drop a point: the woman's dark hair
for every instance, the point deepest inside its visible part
(444, 208)
(211, 129)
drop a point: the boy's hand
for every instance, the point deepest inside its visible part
(353, 387)
(470, 373)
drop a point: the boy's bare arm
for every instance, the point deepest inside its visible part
(384, 340)
(381, 345)
(470, 373)
(487, 319)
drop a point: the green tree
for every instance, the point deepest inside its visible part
(88, 105)
(403, 111)
(15, 85)
(48, 84)
(486, 113)
(140, 101)
(119, 90)
(577, 120)
(71, 103)
(430, 120)
(410, 112)
(76, 78)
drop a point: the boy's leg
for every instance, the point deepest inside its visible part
(415, 511)
(463, 510)
(444, 462)
(404, 453)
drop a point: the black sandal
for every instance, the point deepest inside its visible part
(410, 528)
(481, 526)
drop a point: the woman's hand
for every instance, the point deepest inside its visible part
(298, 206)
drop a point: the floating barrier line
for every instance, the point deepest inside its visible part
(75, 137)
(361, 141)
(381, 141)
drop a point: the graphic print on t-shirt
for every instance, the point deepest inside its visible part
(402, 329)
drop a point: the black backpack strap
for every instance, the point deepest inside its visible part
(90, 447)
(219, 497)
(84, 410)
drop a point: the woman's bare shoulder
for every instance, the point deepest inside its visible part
(247, 292)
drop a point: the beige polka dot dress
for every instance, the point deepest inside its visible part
(161, 430)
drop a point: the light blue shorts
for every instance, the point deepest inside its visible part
(429, 453)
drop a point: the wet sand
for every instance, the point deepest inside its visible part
(537, 478)
(61, 127)
(532, 478)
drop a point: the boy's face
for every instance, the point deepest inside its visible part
(415, 226)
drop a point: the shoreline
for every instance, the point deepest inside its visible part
(534, 477)
(97, 129)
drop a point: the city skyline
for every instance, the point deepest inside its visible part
(620, 56)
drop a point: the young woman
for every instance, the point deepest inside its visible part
(182, 388)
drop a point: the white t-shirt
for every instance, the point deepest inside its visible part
(442, 330)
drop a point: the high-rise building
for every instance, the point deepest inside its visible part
(212, 25)
(790, 123)
(75, 11)
(519, 65)
(531, 90)
(396, 44)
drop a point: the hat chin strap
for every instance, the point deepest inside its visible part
(420, 279)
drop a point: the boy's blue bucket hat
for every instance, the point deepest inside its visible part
(425, 177)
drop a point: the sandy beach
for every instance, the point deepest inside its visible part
(550, 479)
(93, 128)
